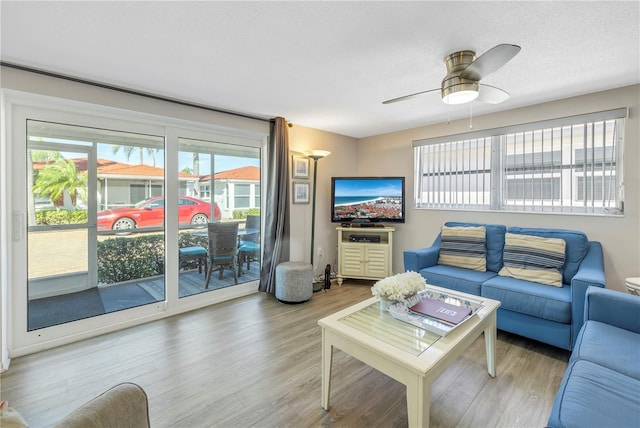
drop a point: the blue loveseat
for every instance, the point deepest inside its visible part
(542, 312)
(601, 386)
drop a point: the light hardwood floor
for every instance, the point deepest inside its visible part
(256, 362)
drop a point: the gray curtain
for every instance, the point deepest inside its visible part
(275, 242)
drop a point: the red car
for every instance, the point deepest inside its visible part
(150, 213)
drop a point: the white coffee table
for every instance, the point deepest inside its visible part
(408, 354)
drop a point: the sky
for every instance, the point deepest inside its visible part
(223, 163)
(368, 187)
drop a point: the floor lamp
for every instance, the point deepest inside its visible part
(316, 155)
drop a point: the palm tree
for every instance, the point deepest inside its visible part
(36, 156)
(59, 177)
(129, 150)
(45, 155)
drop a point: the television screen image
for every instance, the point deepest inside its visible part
(367, 199)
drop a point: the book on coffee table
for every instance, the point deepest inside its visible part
(401, 312)
(440, 310)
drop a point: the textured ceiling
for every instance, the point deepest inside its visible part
(327, 65)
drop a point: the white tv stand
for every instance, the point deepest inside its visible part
(362, 259)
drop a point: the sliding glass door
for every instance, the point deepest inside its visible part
(227, 177)
(96, 219)
(104, 204)
(95, 211)
(61, 237)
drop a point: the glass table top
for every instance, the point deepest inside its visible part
(374, 322)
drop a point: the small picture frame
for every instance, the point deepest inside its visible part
(300, 192)
(300, 167)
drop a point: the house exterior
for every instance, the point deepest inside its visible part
(122, 185)
(235, 189)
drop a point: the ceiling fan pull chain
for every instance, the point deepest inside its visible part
(470, 115)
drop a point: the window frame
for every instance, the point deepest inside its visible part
(456, 159)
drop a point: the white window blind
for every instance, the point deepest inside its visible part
(569, 165)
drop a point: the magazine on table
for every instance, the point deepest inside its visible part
(445, 312)
(468, 306)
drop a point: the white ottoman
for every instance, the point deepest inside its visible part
(294, 282)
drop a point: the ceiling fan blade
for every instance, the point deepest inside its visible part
(490, 61)
(491, 95)
(407, 97)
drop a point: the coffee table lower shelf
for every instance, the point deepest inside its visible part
(369, 341)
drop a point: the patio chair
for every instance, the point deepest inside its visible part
(249, 247)
(190, 255)
(223, 249)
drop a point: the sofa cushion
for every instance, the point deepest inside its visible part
(124, 405)
(465, 280)
(531, 298)
(576, 245)
(594, 396)
(494, 242)
(609, 346)
(533, 258)
(463, 247)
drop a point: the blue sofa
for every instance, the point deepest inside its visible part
(541, 312)
(601, 386)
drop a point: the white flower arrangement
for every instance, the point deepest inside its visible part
(399, 286)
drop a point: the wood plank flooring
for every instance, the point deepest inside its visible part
(255, 362)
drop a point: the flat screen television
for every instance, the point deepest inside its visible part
(367, 200)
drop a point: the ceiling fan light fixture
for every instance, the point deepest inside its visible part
(460, 93)
(464, 72)
(460, 97)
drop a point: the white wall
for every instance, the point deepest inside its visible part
(392, 154)
(343, 161)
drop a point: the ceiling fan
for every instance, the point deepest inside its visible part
(464, 72)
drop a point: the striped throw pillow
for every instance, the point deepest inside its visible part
(533, 258)
(464, 247)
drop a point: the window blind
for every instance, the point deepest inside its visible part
(571, 165)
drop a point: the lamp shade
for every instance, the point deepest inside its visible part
(317, 154)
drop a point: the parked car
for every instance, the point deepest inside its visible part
(150, 213)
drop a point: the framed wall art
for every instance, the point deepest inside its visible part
(300, 192)
(300, 167)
